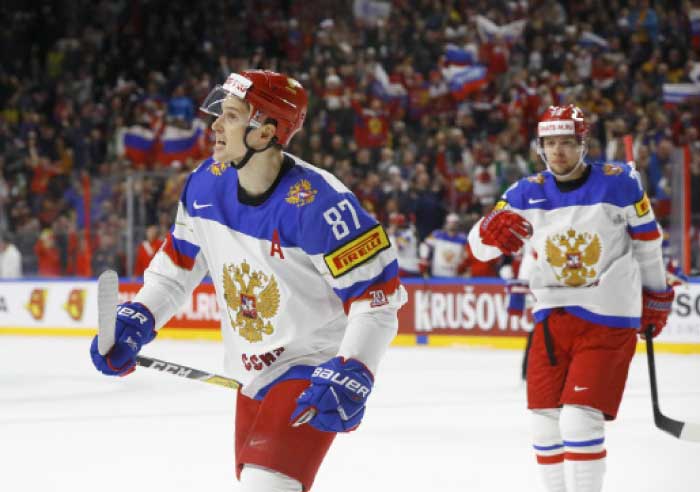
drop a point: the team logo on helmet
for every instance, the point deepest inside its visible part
(252, 298)
(301, 193)
(37, 304)
(75, 306)
(573, 256)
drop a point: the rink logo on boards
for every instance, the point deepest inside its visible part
(37, 304)
(353, 385)
(75, 305)
(573, 256)
(258, 362)
(356, 252)
(643, 206)
(466, 310)
(252, 298)
(301, 193)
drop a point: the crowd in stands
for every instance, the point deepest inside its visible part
(421, 107)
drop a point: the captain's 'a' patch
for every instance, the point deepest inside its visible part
(357, 251)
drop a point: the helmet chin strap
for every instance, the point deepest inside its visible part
(250, 151)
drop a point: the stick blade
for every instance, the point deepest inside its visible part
(690, 432)
(107, 299)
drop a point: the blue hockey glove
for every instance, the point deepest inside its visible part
(135, 327)
(338, 392)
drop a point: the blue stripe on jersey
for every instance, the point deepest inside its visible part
(314, 226)
(600, 319)
(458, 238)
(185, 248)
(547, 448)
(359, 288)
(583, 444)
(621, 190)
(648, 227)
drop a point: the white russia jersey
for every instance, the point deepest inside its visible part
(448, 252)
(588, 243)
(406, 244)
(288, 272)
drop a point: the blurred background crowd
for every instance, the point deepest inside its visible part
(426, 109)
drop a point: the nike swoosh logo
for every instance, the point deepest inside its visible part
(199, 206)
(536, 200)
(580, 388)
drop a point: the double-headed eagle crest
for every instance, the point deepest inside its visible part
(573, 256)
(301, 193)
(252, 298)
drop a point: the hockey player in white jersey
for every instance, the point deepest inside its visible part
(597, 280)
(444, 253)
(307, 282)
(402, 235)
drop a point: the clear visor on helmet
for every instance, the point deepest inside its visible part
(214, 104)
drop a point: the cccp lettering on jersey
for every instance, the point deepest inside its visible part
(465, 310)
(257, 362)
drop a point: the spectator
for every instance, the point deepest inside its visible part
(147, 249)
(10, 259)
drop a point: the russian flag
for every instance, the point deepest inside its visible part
(456, 56)
(680, 93)
(178, 144)
(694, 17)
(463, 81)
(386, 90)
(139, 144)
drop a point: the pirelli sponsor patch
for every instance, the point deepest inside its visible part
(500, 205)
(643, 206)
(356, 252)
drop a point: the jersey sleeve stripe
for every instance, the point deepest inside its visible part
(359, 289)
(181, 252)
(644, 232)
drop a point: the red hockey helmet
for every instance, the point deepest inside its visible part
(563, 120)
(271, 95)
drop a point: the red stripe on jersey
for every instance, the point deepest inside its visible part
(646, 236)
(386, 288)
(181, 260)
(550, 460)
(585, 456)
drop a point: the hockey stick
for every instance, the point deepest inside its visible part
(685, 431)
(107, 300)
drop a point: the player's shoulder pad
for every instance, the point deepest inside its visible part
(517, 194)
(310, 188)
(622, 180)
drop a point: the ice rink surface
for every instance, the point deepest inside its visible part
(440, 420)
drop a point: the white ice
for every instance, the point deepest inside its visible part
(445, 420)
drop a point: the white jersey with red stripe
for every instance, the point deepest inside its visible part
(596, 243)
(293, 269)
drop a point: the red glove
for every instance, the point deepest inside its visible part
(505, 230)
(656, 306)
(424, 267)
